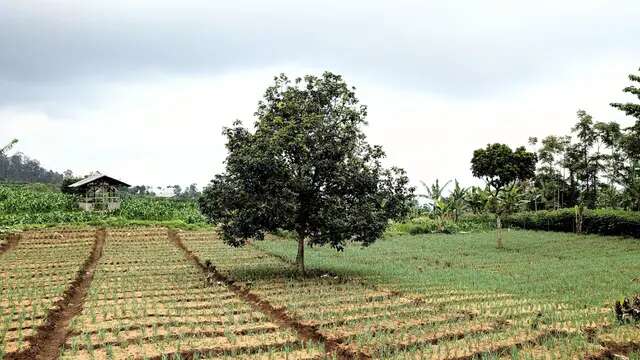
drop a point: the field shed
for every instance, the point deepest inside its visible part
(99, 192)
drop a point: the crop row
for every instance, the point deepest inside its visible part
(33, 277)
(424, 322)
(148, 301)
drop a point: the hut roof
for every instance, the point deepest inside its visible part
(98, 177)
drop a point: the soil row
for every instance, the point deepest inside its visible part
(279, 316)
(53, 333)
(11, 241)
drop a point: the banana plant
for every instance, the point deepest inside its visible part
(477, 199)
(456, 200)
(441, 211)
(434, 191)
(511, 199)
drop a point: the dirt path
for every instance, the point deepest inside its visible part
(50, 337)
(12, 241)
(279, 316)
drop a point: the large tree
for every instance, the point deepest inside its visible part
(306, 167)
(502, 168)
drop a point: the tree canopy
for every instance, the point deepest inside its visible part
(306, 167)
(500, 166)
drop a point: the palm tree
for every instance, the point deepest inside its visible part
(8, 147)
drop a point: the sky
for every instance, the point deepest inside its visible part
(141, 89)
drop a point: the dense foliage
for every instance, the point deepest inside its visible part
(597, 165)
(307, 168)
(599, 221)
(500, 166)
(429, 225)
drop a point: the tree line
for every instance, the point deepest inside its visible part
(595, 166)
(19, 168)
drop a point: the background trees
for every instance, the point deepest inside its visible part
(596, 166)
(22, 169)
(306, 167)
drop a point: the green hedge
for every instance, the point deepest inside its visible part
(601, 221)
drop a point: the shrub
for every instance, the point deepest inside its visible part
(427, 225)
(601, 221)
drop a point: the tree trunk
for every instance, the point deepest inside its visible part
(579, 212)
(499, 232)
(300, 256)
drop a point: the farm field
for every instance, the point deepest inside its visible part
(150, 293)
(587, 270)
(375, 305)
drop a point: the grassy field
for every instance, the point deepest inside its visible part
(153, 293)
(582, 270)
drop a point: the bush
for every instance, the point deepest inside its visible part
(601, 221)
(427, 225)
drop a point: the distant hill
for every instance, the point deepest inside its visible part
(19, 168)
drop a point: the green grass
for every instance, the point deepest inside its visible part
(580, 270)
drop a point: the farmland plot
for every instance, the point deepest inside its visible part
(148, 301)
(149, 295)
(34, 276)
(437, 322)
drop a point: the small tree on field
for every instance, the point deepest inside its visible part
(501, 168)
(306, 167)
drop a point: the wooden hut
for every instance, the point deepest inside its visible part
(99, 192)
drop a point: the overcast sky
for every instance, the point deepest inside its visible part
(141, 89)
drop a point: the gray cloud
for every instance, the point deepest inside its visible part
(466, 49)
(440, 78)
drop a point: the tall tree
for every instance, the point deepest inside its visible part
(630, 144)
(502, 168)
(587, 166)
(306, 167)
(629, 108)
(550, 180)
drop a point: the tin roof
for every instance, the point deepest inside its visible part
(96, 177)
